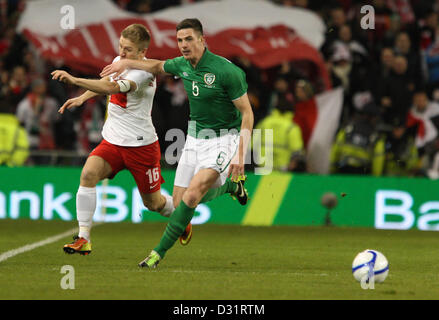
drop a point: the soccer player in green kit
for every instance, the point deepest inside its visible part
(218, 133)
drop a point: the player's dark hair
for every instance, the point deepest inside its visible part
(190, 24)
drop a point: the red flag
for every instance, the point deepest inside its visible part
(267, 34)
(318, 119)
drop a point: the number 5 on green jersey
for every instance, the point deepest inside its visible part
(195, 89)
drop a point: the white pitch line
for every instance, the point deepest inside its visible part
(12, 253)
(32, 246)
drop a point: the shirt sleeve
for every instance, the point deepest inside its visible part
(139, 77)
(235, 83)
(172, 66)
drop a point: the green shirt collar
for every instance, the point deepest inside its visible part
(206, 53)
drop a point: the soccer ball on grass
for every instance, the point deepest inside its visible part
(370, 263)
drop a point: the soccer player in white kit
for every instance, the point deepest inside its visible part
(129, 137)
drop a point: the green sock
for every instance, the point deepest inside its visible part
(178, 222)
(228, 187)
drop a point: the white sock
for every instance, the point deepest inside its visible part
(85, 208)
(168, 208)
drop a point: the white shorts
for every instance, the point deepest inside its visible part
(215, 153)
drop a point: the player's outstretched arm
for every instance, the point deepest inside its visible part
(78, 101)
(237, 164)
(98, 86)
(71, 103)
(116, 68)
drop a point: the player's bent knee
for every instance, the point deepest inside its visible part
(192, 198)
(89, 178)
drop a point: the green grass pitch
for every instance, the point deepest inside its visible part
(221, 262)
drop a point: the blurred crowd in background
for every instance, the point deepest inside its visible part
(390, 78)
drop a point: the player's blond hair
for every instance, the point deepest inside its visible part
(138, 34)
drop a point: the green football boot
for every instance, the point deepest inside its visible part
(150, 261)
(241, 193)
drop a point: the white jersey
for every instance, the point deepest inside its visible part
(129, 121)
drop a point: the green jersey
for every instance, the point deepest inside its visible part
(211, 87)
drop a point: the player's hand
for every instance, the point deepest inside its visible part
(63, 76)
(71, 103)
(117, 68)
(236, 169)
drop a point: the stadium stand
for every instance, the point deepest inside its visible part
(387, 67)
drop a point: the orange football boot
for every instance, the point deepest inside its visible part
(79, 245)
(186, 237)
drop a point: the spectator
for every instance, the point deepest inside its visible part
(428, 29)
(33, 63)
(281, 88)
(424, 115)
(38, 114)
(401, 153)
(359, 82)
(90, 126)
(394, 28)
(404, 10)
(381, 71)
(337, 18)
(304, 94)
(403, 46)
(341, 64)
(6, 41)
(430, 47)
(303, 91)
(387, 58)
(397, 91)
(172, 112)
(359, 147)
(257, 94)
(287, 147)
(18, 86)
(5, 106)
(14, 145)
(357, 50)
(345, 74)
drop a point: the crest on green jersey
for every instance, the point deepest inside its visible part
(209, 78)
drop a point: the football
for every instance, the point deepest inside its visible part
(370, 263)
